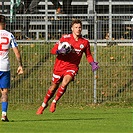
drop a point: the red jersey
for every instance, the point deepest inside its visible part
(71, 60)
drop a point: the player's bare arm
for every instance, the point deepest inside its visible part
(18, 56)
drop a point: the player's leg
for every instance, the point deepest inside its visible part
(68, 77)
(47, 97)
(4, 85)
(56, 79)
(4, 104)
(61, 90)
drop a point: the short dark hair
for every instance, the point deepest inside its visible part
(2, 19)
(76, 21)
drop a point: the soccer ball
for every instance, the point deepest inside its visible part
(65, 45)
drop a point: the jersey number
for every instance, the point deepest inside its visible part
(4, 43)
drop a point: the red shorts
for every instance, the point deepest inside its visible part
(58, 76)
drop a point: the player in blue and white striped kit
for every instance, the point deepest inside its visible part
(7, 41)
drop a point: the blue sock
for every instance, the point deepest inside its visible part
(4, 106)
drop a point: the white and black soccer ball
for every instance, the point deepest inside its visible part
(65, 45)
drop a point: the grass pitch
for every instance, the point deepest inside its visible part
(70, 120)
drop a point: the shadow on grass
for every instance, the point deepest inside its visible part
(71, 119)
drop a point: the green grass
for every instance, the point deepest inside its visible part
(69, 120)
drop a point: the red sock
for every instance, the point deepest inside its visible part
(49, 94)
(61, 90)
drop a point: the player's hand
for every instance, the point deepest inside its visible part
(94, 66)
(68, 50)
(20, 70)
(61, 51)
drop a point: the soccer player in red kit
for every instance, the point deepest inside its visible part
(67, 64)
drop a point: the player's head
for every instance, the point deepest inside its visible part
(76, 27)
(2, 21)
